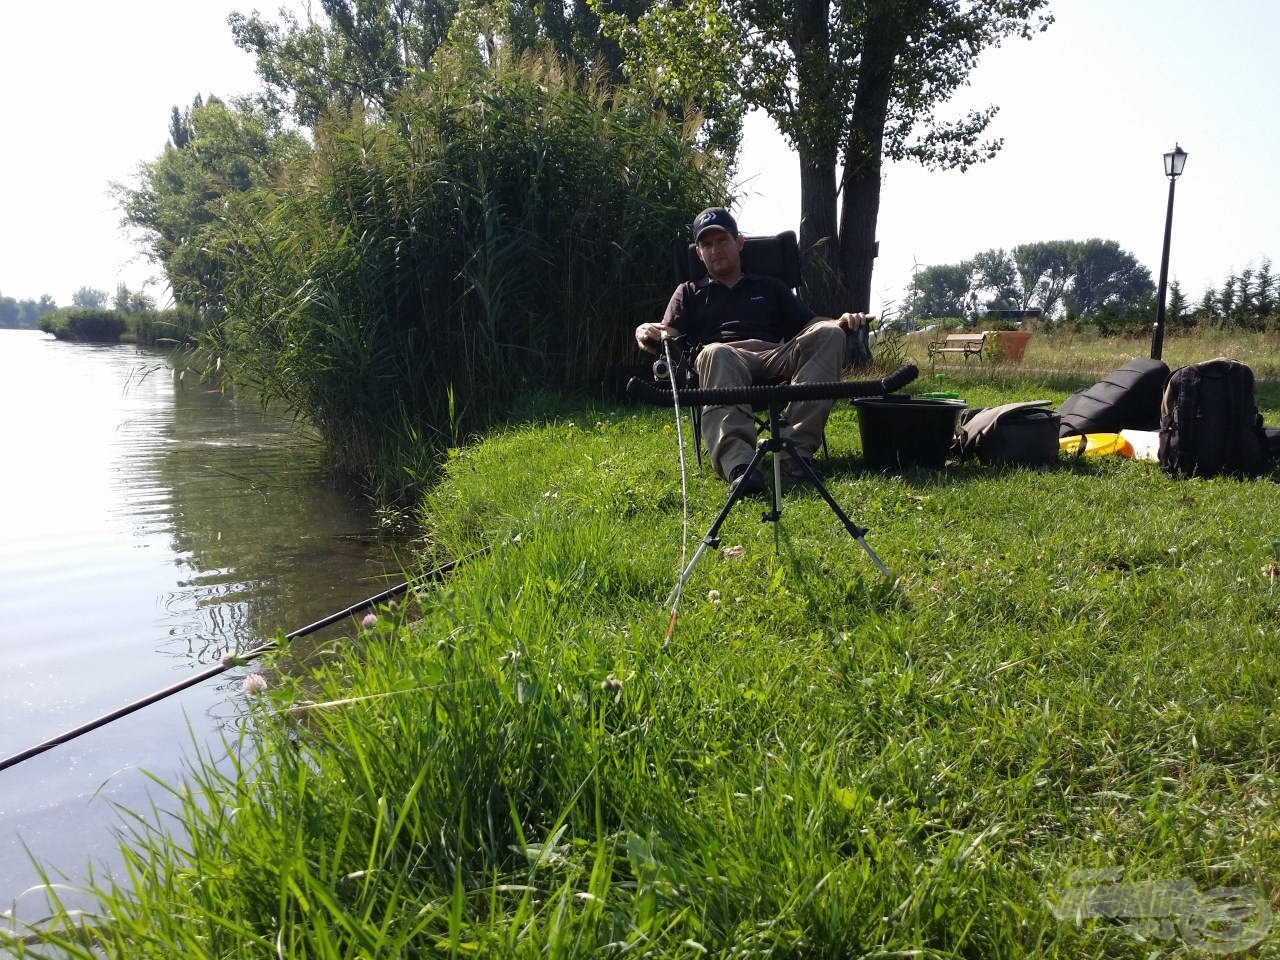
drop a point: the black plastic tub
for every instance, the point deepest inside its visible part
(907, 431)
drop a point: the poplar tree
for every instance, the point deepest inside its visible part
(849, 85)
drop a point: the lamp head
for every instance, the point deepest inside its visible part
(1174, 161)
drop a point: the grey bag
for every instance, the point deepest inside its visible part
(1017, 434)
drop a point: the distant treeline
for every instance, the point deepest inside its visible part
(1249, 300)
(146, 327)
(23, 314)
(1089, 283)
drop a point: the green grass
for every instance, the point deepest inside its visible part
(1073, 669)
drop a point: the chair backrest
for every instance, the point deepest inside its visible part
(776, 256)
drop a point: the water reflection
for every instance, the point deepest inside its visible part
(149, 524)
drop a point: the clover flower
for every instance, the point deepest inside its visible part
(253, 684)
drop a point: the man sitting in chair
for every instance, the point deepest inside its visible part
(752, 328)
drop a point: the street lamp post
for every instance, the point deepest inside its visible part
(1174, 161)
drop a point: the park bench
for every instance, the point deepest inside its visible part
(966, 344)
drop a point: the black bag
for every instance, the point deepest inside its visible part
(1016, 434)
(1209, 422)
(1126, 399)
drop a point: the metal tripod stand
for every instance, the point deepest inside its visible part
(775, 443)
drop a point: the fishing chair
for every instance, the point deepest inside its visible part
(773, 256)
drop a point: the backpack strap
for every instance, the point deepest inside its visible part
(1178, 420)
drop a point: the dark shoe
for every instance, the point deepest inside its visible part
(751, 484)
(792, 470)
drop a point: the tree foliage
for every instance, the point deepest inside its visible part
(941, 290)
(22, 314)
(216, 150)
(1105, 275)
(89, 298)
(357, 53)
(1249, 300)
(1069, 278)
(849, 84)
(132, 301)
(362, 53)
(1045, 271)
(676, 52)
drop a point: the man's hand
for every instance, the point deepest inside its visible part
(649, 336)
(854, 321)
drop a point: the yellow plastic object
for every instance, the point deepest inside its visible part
(1097, 445)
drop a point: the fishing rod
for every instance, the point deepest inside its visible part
(226, 664)
(672, 375)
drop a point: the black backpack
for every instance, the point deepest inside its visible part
(1209, 422)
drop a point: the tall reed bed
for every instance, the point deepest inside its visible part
(503, 229)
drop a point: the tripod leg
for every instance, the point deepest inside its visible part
(712, 538)
(858, 533)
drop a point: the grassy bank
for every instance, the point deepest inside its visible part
(1074, 670)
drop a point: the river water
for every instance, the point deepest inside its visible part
(149, 524)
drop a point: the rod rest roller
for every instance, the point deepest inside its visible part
(644, 391)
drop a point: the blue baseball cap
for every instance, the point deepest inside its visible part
(714, 218)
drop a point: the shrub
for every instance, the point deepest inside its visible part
(83, 324)
(179, 325)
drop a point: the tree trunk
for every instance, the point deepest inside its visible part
(860, 209)
(818, 147)
(819, 236)
(858, 248)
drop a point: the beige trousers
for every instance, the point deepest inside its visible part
(813, 356)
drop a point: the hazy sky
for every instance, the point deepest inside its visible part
(1086, 110)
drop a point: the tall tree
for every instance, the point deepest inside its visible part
(33, 310)
(1265, 300)
(356, 52)
(941, 290)
(1227, 300)
(1176, 315)
(1207, 311)
(230, 149)
(1045, 271)
(1105, 275)
(90, 298)
(363, 52)
(573, 30)
(1246, 302)
(179, 127)
(848, 83)
(994, 282)
(131, 301)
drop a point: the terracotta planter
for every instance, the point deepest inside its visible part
(1010, 344)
